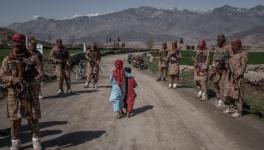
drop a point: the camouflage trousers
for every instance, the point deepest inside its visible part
(63, 74)
(174, 79)
(16, 128)
(201, 82)
(94, 77)
(163, 73)
(219, 84)
(234, 96)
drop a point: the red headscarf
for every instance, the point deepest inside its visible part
(118, 73)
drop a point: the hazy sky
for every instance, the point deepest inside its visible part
(22, 10)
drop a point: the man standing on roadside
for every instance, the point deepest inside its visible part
(219, 68)
(237, 64)
(60, 56)
(21, 73)
(163, 62)
(201, 63)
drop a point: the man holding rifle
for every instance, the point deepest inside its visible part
(20, 72)
(201, 62)
(236, 65)
(219, 68)
(60, 57)
(93, 59)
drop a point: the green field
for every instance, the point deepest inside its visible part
(254, 57)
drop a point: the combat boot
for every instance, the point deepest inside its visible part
(15, 145)
(174, 85)
(36, 144)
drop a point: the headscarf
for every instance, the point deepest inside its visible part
(19, 49)
(118, 73)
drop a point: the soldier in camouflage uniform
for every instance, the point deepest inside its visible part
(35, 53)
(174, 57)
(236, 65)
(93, 57)
(163, 62)
(201, 63)
(60, 56)
(21, 73)
(219, 68)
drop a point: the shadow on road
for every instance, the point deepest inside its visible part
(73, 139)
(105, 86)
(78, 82)
(26, 134)
(67, 95)
(211, 94)
(142, 109)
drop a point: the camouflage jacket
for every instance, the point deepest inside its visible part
(59, 56)
(93, 57)
(237, 63)
(201, 61)
(174, 57)
(22, 104)
(220, 57)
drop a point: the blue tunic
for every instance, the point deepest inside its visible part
(117, 95)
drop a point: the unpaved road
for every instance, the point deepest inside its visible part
(164, 120)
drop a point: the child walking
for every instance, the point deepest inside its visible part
(130, 91)
(117, 96)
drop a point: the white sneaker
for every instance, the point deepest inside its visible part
(220, 103)
(227, 111)
(174, 85)
(15, 145)
(86, 84)
(204, 96)
(199, 94)
(69, 91)
(236, 114)
(36, 144)
(60, 91)
(40, 97)
(170, 86)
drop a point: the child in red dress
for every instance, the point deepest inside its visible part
(130, 91)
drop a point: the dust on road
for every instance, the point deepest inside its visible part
(164, 119)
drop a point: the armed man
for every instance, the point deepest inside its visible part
(174, 57)
(219, 68)
(93, 57)
(21, 73)
(35, 53)
(201, 63)
(237, 64)
(60, 57)
(163, 62)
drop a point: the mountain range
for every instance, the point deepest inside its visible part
(148, 23)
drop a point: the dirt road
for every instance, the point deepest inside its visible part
(164, 120)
